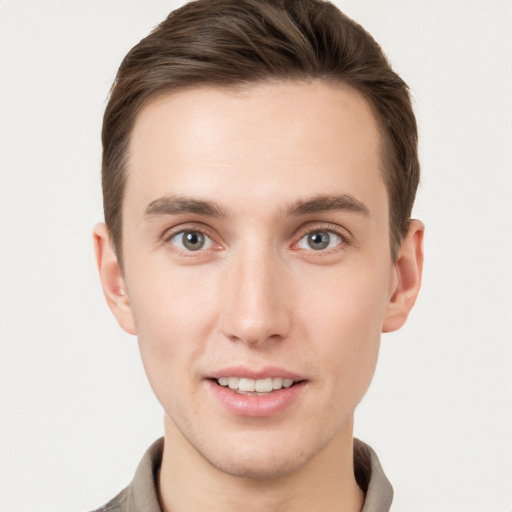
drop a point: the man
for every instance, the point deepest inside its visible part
(259, 171)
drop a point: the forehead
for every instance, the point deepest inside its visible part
(260, 142)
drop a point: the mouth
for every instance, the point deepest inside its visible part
(257, 393)
(258, 387)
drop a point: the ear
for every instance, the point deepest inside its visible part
(408, 270)
(112, 279)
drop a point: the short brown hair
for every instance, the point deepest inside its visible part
(236, 42)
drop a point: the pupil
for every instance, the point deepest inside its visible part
(193, 241)
(319, 240)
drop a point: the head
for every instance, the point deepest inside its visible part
(259, 173)
(232, 43)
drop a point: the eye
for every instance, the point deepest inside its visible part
(319, 240)
(191, 240)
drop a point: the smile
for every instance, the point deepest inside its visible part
(243, 385)
(256, 398)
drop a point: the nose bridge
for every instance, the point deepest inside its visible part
(255, 307)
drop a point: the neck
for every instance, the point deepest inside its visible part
(189, 483)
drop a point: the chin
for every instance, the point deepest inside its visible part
(259, 467)
(264, 458)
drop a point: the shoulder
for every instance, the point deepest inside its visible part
(117, 504)
(142, 493)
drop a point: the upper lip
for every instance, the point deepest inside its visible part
(255, 373)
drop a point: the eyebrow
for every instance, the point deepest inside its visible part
(327, 203)
(174, 205)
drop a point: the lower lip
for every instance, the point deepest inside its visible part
(257, 406)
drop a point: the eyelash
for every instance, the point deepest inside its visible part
(344, 239)
(169, 235)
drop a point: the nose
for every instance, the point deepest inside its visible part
(255, 308)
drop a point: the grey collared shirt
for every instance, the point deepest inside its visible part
(142, 496)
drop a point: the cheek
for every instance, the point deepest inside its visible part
(353, 341)
(172, 312)
(346, 322)
(171, 302)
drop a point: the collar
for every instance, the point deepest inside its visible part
(141, 495)
(371, 478)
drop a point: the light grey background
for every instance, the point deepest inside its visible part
(76, 413)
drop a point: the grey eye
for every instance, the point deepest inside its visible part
(319, 240)
(191, 240)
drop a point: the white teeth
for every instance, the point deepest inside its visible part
(233, 382)
(258, 385)
(277, 383)
(287, 383)
(263, 385)
(246, 385)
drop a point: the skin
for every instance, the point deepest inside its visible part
(258, 294)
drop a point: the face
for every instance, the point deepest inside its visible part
(257, 268)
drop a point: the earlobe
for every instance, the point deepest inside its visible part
(408, 268)
(112, 280)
